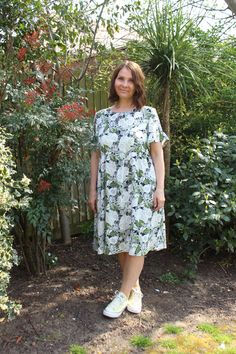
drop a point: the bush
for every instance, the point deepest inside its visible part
(50, 140)
(13, 194)
(202, 194)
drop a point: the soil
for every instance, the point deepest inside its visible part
(65, 306)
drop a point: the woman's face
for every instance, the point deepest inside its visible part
(124, 84)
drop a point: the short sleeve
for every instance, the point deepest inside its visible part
(94, 137)
(154, 130)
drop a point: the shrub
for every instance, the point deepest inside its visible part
(13, 194)
(202, 194)
(50, 140)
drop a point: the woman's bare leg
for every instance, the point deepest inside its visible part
(122, 257)
(133, 266)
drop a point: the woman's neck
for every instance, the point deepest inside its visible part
(123, 105)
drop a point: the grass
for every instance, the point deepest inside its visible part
(168, 343)
(141, 342)
(209, 338)
(209, 328)
(77, 349)
(227, 351)
(216, 333)
(172, 329)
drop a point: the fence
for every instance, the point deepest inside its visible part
(97, 99)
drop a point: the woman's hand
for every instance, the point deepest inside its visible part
(158, 199)
(92, 201)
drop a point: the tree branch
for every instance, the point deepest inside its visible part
(86, 62)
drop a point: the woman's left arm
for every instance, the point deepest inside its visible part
(156, 151)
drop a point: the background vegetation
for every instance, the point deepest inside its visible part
(55, 63)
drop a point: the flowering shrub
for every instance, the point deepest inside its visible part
(51, 141)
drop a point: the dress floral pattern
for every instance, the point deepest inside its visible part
(125, 220)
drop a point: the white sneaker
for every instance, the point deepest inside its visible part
(135, 301)
(115, 308)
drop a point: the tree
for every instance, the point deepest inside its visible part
(168, 56)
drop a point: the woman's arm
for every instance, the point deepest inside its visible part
(92, 202)
(156, 151)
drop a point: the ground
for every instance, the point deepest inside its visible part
(65, 306)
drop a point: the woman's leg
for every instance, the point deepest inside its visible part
(122, 257)
(133, 266)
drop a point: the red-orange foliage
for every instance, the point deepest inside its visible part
(21, 54)
(44, 186)
(45, 66)
(30, 97)
(32, 39)
(48, 88)
(91, 113)
(65, 74)
(71, 112)
(30, 80)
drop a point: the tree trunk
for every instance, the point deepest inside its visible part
(65, 226)
(166, 125)
(232, 5)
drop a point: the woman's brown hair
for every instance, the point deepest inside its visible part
(139, 98)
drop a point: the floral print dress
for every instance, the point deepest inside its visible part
(125, 220)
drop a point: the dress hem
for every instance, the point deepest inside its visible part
(99, 252)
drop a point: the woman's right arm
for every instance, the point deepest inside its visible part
(92, 202)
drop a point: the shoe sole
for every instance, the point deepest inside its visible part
(133, 310)
(111, 314)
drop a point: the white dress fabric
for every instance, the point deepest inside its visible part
(125, 220)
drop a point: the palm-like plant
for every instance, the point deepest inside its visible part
(170, 56)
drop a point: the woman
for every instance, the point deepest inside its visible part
(127, 183)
